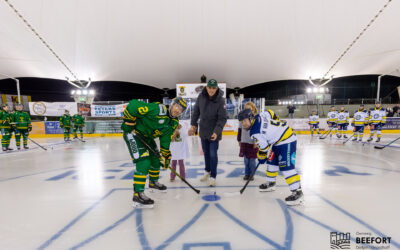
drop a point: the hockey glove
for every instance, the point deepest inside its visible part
(30, 128)
(166, 154)
(383, 124)
(263, 155)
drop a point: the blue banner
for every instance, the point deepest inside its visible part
(53, 128)
(392, 123)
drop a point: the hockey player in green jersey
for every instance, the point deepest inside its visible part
(147, 121)
(23, 126)
(66, 124)
(79, 123)
(5, 127)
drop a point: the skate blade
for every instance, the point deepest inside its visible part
(153, 190)
(142, 206)
(267, 190)
(295, 203)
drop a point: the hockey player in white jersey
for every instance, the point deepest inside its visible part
(268, 132)
(313, 121)
(343, 122)
(377, 119)
(360, 119)
(332, 120)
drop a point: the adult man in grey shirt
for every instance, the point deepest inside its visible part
(210, 108)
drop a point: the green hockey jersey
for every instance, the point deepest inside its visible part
(21, 119)
(66, 121)
(151, 120)
(78, 120)
(5, 119)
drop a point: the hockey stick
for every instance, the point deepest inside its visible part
(231, 194)
(348, 139)
(80, 139)
(323, 136)
(383, 146)
(37, 144)
(157, 154)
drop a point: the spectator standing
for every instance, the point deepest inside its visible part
(291, 109)
(210, 108)
(396, 110)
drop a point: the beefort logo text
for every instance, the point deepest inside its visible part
(363, 240)
(340, 240)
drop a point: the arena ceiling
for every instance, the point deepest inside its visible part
(162, 42)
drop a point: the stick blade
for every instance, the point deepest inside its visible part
(379, 147)
(231, 194)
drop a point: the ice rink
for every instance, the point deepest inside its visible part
(78, 196)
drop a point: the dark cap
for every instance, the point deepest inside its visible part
(212, 83)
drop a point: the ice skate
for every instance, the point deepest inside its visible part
(267, 187)
(354, 139)
(360, 139)
(26, 147)
(156, 186)
(295, 198)
(378, 140)
(370, 139)
(140, 200)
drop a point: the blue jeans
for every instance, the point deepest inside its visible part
(249, 165)
(210, 149)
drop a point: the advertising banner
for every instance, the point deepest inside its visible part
(108, 110)
(192, 90)
(52, 108)
(53, 128)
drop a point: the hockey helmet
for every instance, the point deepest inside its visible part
(179, 101)
(245, 114)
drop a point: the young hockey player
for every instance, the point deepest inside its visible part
(147, 121)
(66, 124)
(23, 126)
(332, 120)
(360, 119)
(79, 123)
(269, 132)
(343, 122)
(377, 119)
(5, 127)
(314, 122)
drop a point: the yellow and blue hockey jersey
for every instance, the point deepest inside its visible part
(333, 116)
(313, 119)
(267, 129)
(343, 117)
(360, 118)
(377, 115)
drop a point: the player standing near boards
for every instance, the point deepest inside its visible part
(271, 133)
(5, 127)
(343, 122)
(66, 124)
(332, 120)
(377, 119)
(142, 123)
(360, 119)
(22, 123)
(79, 123)
(313, 121)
